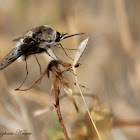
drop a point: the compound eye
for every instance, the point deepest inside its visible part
(58, 37)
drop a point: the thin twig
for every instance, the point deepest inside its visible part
(78, 55)
(76, 80)
(57, 107)
(40, 112)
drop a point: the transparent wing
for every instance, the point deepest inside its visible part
(14, 54)
(27, 47)
(10, 57)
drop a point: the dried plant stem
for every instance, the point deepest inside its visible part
(126, 123)
(122, 19)
(76, 80)
(57, 107)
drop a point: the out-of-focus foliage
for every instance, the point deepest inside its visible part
(110, 69)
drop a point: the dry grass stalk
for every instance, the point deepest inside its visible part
(58, 80)
(78, 55)
(123, 25)
(57, 106)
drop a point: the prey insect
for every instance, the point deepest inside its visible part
(34, 41)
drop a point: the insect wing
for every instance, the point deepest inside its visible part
(13, 55)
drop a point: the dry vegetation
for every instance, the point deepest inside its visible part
(110, 69)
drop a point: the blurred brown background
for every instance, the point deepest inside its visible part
(110, 69)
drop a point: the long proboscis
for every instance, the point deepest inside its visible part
(64, 37)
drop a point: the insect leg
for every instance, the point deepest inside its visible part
(38, 64)
(50, 55)
(55, 54)
(25, 76)
(64, 50)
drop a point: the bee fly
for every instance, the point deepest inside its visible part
(37, 40)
